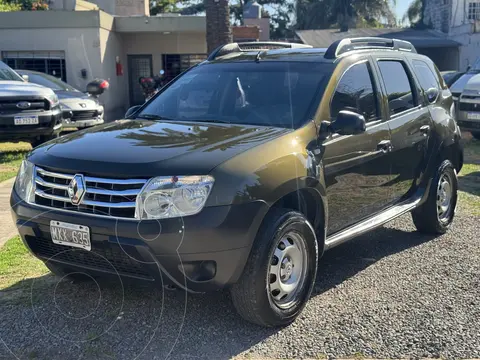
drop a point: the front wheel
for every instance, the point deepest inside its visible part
(280, 273)
(436, 215)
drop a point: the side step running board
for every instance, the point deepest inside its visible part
(371, 223)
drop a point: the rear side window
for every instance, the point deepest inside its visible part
(355, 92)
(425, 75)
(398, 85)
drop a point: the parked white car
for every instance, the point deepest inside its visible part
(84, 110)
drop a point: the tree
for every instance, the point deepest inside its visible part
(163, 6)
(16, 5)
(324, 14)
(218, 23)
(280, 15)
(6, 6)
(415, 14)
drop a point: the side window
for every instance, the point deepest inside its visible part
(425, 75)
(355, 92)
(398, 85)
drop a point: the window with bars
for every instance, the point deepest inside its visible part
(474, 10)
(175, 64)
(49, 62)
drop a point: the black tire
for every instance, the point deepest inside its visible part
(252, 295)
(427, 217)
(476, 135)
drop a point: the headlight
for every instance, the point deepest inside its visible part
(24, 183)
(168, 197)
(53, 99)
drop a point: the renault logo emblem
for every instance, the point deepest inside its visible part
(24, 105)
(76, 189)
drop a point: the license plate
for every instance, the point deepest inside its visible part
(70, 235)
(473, 116)
(26, 120)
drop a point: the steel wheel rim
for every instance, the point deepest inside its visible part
(287, 270)
(444, 197)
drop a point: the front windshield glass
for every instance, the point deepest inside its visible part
(282, 94)
(49, 81)
(8, 74)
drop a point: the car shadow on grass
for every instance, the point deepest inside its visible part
(108, 319)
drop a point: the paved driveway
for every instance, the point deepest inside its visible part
(7, 228)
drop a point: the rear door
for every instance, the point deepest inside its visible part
(357, 166)
(409, 122)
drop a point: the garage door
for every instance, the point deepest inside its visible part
(49, 62)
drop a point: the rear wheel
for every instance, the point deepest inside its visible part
(436, 215)
(280, 273)
(476, 135)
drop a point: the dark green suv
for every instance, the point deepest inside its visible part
(246, 168)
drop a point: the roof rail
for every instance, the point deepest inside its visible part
(342, 46)
(253, 46)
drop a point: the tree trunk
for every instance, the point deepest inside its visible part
(218, 23)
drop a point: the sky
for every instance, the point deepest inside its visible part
(402, 6)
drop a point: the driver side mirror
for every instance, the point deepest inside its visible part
(132, 110)
(348, 123)
(432, 95)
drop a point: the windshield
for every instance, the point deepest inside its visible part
(8, 74)
(48, 81)
(459, 85)
(282, 94)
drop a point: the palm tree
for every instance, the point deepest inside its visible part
(218, 23)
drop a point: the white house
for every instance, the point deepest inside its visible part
(460, 19)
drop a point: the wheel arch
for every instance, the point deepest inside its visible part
(310, 202)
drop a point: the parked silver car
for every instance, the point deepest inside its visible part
(86, 111)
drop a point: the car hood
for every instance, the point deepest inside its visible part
(138, 148)
(19, 88)
(473, 84)
(73, 100)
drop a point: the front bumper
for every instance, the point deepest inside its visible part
(49, 123)
(199, 253)
(467, 124)
(83, 123)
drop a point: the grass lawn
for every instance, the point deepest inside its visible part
(11, 156)
(17, 264)
(469, 177)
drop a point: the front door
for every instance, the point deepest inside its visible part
(138, 66)
(409, 123)
(357, 166)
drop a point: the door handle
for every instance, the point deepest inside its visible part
(425, 129)
(385, 146)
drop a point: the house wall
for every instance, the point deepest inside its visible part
(157, 44)
(115, 99)
(81, 47)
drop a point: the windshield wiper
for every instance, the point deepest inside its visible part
(152, 117)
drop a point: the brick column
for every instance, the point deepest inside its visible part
(218, 23)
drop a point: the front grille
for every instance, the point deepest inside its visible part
(9, 105)
(84, 115)
(104, 256)
(107, 197)
(469, 107)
